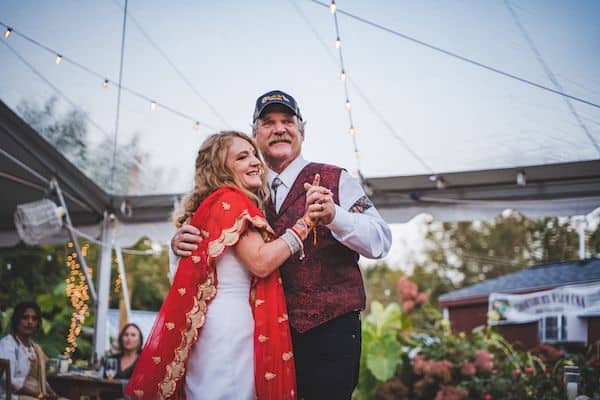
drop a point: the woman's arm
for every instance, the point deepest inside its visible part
(261, 257)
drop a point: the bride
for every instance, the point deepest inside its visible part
(222, 331)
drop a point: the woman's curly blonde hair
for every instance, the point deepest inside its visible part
(212, 173)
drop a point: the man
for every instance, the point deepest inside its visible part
(324, 290)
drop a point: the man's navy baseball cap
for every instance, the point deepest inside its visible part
(275, 97)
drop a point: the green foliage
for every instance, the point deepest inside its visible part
(383, 320)
(381, 352)
(28, 270)
(383, 356)
(146, 277)
(381, 283)
(464, 253)
(38, 273)
(415, 355)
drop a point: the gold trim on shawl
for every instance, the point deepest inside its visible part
(194, 320)
(230, 236)
(206, 291)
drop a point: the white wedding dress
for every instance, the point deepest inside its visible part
(221, 366)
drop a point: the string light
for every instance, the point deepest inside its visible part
(118, 282)
(368, 103)
(77, 292)
(152, 106)
(332, 7)
(105, 81)
(440, 183)
(521, 178)
(196, 126)
(343, 77)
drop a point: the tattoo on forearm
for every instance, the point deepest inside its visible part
(361, 205)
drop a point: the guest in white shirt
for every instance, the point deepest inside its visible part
(27, 360)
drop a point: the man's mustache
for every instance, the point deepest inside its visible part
(283, 139)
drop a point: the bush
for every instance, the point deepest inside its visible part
(410, 352)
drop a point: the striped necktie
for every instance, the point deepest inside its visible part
(275, 185)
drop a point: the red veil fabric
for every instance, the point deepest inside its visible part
(160, 370)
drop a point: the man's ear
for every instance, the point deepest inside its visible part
(303, 129)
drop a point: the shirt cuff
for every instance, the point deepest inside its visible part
(173, 262)
(17, 383)
(343, 222)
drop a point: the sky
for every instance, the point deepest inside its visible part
(415, 110)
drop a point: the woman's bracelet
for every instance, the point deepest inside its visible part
(293, 242)
(302, 227)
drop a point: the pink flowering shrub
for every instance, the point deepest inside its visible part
(429, 362)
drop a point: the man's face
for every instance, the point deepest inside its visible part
(279, 138)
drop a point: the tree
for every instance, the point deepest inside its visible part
(68, 133)
(464, 253)
(147, 279)
(380, 283)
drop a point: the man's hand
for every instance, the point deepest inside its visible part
(185, 239)
(319, 202)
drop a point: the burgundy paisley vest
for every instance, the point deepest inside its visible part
(327, 282)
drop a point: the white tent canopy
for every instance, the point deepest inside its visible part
(547, 190)
(28, 162)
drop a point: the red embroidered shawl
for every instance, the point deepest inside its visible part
(160, 370)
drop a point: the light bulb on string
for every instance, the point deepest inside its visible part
(58, 59)
(332, 7)
(351, 131)
(338, 43)
(348, 104)
(357, 154)
(152, 105)
(196, 125)
(440, 183)
(105, 83)
(7, 32)
(343, 75)
(521, 178)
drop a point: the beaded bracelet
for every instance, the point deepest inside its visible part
(293, 242)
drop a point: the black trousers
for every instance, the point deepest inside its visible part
(328, 358)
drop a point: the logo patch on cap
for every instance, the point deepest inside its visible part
(274, 97)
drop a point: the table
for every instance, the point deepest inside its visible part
(73, 386)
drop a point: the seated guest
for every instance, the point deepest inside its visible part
(27, 360)
(130, 347)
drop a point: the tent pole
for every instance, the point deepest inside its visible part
(124, 288)
(581, 231)
(82, 261)
(101, 341)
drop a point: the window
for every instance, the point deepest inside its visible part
(553, 328)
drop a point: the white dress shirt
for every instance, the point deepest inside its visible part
(366, 232)
(18, 356)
